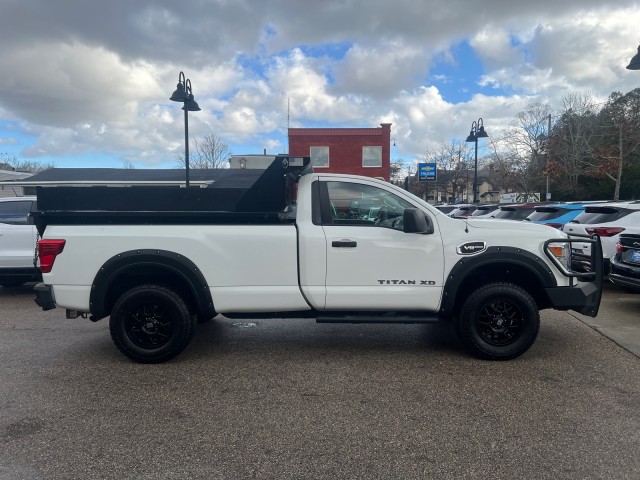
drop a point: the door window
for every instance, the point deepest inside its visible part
(15, 212)
(357, 204)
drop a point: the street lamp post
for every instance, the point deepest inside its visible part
(184, 94)
(477, 131)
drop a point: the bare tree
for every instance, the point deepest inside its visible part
(571, 142)
(505, 168)
(452, 160)
(11, 162)
(518, 161)
(618, 138)
(208, 152)
(397, 171)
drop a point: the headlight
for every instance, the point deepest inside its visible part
(561, 252)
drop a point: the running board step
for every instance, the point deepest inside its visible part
(376, 318)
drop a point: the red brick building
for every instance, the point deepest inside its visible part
(358, 151)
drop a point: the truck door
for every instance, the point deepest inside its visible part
(371, 263)
(17, 237)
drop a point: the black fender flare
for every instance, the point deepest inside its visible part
(131, 260)
(472, 265)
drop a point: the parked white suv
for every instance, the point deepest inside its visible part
(607, 221)
(17, 241)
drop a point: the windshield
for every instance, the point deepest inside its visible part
(484, 211)
(593, 215)
(15, 212)
(462, 211)
(446, 208)
(513, 213)
(547, 213)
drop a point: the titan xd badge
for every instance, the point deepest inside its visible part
(406, 282)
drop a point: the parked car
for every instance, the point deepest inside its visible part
(485, 210)
(463, 210)
(17, 241)
(625, 264)
(518, 211)
(607, 221)
(556, 215)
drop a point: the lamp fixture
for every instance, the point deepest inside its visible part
(477, 131)
(180, 94)
(634, 64)
(183, 93)
(190, 104)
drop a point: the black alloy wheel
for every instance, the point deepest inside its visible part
(151, 324)
(498, 321)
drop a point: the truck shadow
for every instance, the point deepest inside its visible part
(304, 336)
(19, 291)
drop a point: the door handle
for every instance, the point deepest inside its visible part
(344, 243)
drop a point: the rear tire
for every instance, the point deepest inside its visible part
(151, 324)
(498, 321)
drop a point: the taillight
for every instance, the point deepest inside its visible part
(605, 231)
(47, 252)
(618, 247)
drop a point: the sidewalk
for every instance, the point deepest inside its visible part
(618, 317)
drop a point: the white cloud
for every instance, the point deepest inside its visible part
(63, 84)
(97, 77)
(381, 71)
(303, 82)
(496, 48)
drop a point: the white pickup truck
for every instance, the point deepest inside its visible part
(293, 243)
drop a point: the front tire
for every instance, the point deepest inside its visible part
(151, 324)
(498, 321)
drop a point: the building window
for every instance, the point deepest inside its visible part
(371, 156)
(319, 156)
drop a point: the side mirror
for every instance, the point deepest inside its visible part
(415, 221)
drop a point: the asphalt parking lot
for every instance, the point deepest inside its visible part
(295, 399)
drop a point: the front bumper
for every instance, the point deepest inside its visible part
(44, 297)
(583, 297)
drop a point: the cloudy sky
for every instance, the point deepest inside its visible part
(87, 84)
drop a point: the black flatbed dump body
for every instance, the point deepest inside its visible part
(237, 197)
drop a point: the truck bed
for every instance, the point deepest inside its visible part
(237, 196)
(144, 217)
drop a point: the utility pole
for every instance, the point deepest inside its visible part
(288, 120)
(547, 159)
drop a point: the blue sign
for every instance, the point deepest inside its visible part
(427, 172)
